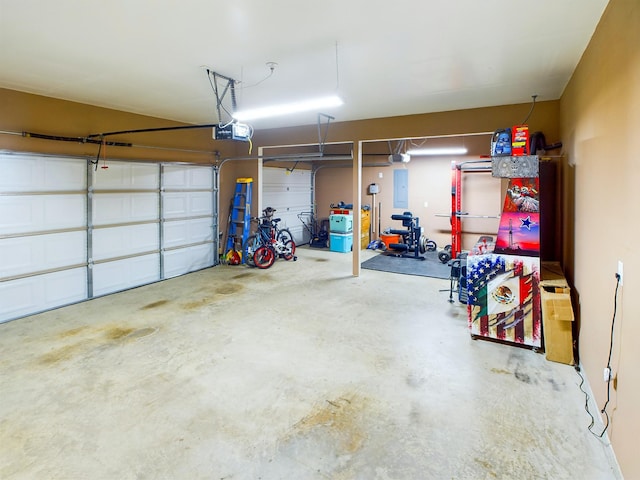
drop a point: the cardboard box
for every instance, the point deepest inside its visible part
(520, 140)
(557, 314)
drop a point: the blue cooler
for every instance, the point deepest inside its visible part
(340, 223)
(340, 242)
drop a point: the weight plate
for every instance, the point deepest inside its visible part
(444, 256)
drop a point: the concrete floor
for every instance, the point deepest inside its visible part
(298, 372)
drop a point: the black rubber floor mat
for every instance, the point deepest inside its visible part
(429, 267)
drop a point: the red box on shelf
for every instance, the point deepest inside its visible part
(520, 140)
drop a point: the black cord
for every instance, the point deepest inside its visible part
(606, 403)
(290, 170)
(531, 110)
(613, 321)
(97, 160)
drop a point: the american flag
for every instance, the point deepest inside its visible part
(504, 297)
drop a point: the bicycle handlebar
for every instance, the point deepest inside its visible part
(272, 220)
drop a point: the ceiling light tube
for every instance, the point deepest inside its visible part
(438, 151)
(288, 108)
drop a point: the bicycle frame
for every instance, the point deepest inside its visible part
(270, 236)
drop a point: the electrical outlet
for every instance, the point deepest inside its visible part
(606, 374)
(620, 272)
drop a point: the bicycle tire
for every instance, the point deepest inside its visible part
(289, 250)
(284, 236)
(249, 248)
(264, 257)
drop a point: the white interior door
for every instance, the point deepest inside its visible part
(290, 194)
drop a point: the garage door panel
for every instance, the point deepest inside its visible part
(186, 232)
(19, 256)
(200, 203)
(181, 177)
(185, 260)
(115, 242)
(174, 205)
(122, 274)
(30, 173)
(30, 295)
(44, 227)
(127, 176)
(115, 208)
(290, 189)
(200, 177)
(38, 213)
(186, 204)
(290, 194)
(69, 286)
(174, 177)
(278, 198)
(284, 177)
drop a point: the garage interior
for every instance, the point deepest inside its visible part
(131, 348)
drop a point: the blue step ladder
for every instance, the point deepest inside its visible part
(240, 217)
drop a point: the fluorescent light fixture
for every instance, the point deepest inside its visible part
(288, 108)
(438, 151)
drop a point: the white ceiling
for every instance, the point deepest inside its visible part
(383, 58)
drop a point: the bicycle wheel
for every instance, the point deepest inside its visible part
(288, 250)
(284, 236)
(249, 248)
(285, 239)
(264, 256)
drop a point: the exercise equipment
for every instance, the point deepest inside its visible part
(414, 244)
(444, 255)
(456, 215)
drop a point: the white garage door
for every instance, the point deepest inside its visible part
(187, 219)
(43, 234)
(125, 217)
(290, 193)
(63, 241)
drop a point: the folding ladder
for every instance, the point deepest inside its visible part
(240, 215)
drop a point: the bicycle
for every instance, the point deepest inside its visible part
(268, 243)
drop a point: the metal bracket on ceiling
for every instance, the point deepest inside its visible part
(229, 87)
(321, 139)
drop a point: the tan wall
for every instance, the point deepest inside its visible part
(544, 117)
(33, 113)
(600, 125)
(22, 112)
(429, 194)
(429, 177)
